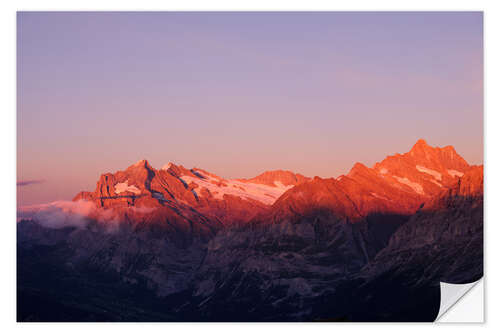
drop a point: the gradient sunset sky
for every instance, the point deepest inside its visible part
(237, 94)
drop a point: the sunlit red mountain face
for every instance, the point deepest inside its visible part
(187, 198)
(400, 184)
(192, 246)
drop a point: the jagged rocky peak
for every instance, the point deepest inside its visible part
(446, 156)
(420, 144)
(167, 166)
(359, 169)
(397, 185)
(308, 243)
(141, 164)
(175, 169)
(425, 169)
(122, 188)
(189, 191)
(278, 178)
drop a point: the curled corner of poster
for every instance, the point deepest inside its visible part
(461, 303)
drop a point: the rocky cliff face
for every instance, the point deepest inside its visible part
(177, 191)
(399, 184)
(442, 242)
(190, 245)
(278, 178)
(380, 267)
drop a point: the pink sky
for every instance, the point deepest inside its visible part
(239, 93)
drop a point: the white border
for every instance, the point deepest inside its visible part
(8, 125)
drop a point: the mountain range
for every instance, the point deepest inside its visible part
(178, 244)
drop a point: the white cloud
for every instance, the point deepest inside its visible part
(59, 214)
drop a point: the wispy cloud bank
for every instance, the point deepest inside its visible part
(30, 182)
(58, 214)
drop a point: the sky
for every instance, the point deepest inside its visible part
(237, 94)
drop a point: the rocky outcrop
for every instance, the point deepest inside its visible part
(400, 184)
(359, 247)
(284, 177)
(175, 190)
(467, 189)
(189, 245)
(424, 169)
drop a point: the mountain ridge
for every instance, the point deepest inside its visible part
(371, 245)
(398, 184)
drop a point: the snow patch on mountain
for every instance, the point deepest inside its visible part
(435, 182)
(415, 186)
(124, 187)
(455, 173)
(431, 172)
(219, 187)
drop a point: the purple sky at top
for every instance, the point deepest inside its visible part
(239, 93)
